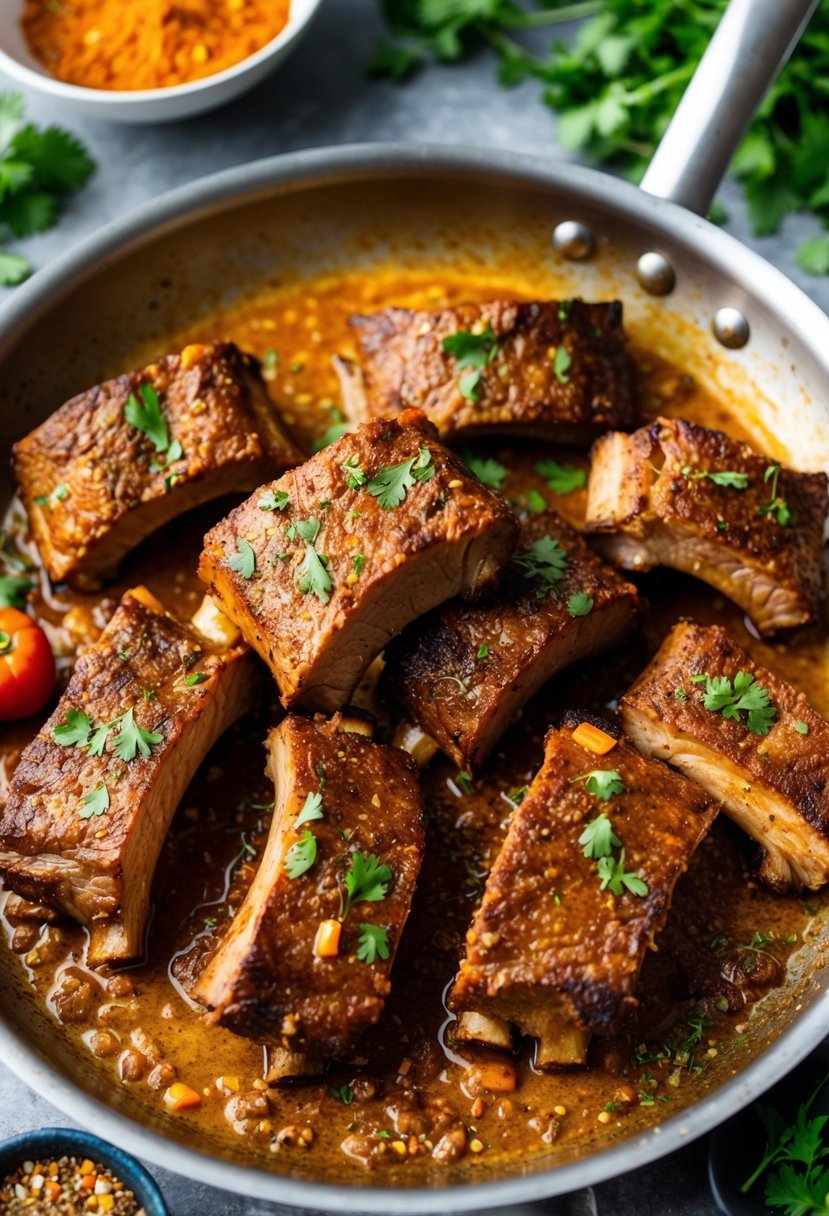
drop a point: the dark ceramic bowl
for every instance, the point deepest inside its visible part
(56, 1142)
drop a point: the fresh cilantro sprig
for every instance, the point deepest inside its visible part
(301, 855)
(728, 478)
(373, 944)
(130, 739)
(95, 803)
(561, 478)
(391, 483)
(311, 810)
(743, 700)
(243, 561)
(800, 1151)
(366, 881)
(145, 414)
(486, 468)
(776, 506)
(39, 168)
(602, 783)
(598, 840)
(545, 560)
(617, 85)
(474, 352)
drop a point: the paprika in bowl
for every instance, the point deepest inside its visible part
(148, 60)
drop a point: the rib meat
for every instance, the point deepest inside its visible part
(374, 567)
(549, 949)
(775, 786)
(94, 485)
(463, 674)
(266, 980)
(556, 370)
(95, 859)
(655, 498)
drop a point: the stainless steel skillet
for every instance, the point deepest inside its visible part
(184, 255)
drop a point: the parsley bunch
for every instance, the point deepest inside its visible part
(38, 169)
(800, 1151)
(616, 88)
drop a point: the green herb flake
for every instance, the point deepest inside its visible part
(273, 500)
(146, 416)
(579, 604)
(726, 478)
(742, 700)
(311, 810)
(95, 803)
(75, 731)
(132, 739)
(195, 677)
(602, 783)
(598, 838)
(474, 352)
(482, 651)
(13, 591)
(314, 578)
(331, 435)
(301, 855)
(561, 478)
(391, 483)
(464, 782)
(545, 560)
(776, 506)
(373, 944)
(614, 878)
(343, 1093)
(243, 561)
(358, 561)
(488, 470)
(354, 475)
(366, 881)
(802, 728)
(562, 362)
(536, 502)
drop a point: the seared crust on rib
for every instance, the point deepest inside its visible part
(549, 950)
(651, 503)
(114, 489)
(464, 699)
(266, 981)
(449, 536)
(99, 869)
(776, 787)
(522, 391)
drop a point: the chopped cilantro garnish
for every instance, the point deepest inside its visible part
(76, 731)
(311, 810)
(330, 436)
(366, 881)
(561, 478)
(727, 478)
(614, 877)
(802, 728)
(354, 475)
(313, 574)
(743, 696)
(562, 362)
(598, 838)
(344, 1094)
(603, 783)
(776, 506)
(391, 483)
(579, 604)
(131, 738)
(146, 416)
(373, 943)
(464, 782)
(488, 470)
(358, 560)
(243, 561)
(472, 351)
(536, 502)
(13, 591)
(195, 677)
(483, 651)
(273, 500)
(544, 560)
(301, 855)
(95, 803)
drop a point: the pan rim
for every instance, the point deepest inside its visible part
(807, 325)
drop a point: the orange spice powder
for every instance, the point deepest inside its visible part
(147, 44)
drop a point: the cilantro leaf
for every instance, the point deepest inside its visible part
(391, 483)
(307, 529)
(243, 561)
(612, 873)
(562, 361)
(545, 560)
(311, 810)
(725, 477)
(29, 211)
(95, 803)
(743, 696)
(132, 738)
(313, 574)
(354, 475)
(536, 502)
(273, 500)
(373, 944)
(813, 255)
(59, 161)
(488, 470)
(12, 113)
(598, 838)
(13, 269)
(603, 783)
(13, 591)
(301, 855)
(76, 730)
(334, 432)
(474, 352)
(561, 478)
(366, 881)
(344, 1094)
(579, 604)
(146, 416)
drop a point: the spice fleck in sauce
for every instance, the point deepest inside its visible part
(410, 1104)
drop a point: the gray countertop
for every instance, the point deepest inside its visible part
(321, 96)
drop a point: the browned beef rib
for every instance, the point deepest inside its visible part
(578, 892)
(749, 738)
(464, 672)
(117, 462)
(340, 866)
(556, 369)
(676, 494)
(322, 568)
(93, 795)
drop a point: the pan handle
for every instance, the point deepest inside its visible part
(750, 46)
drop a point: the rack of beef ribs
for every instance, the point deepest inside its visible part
(747, 737)
(119, 461)
(321, 568)
(305, 964)
(677, 494)
(554, 369)
(93, 794)
(464, 673)
(579, 891)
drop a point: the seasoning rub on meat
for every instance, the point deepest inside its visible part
(749, 738)
(463, 674)
(94, 793)
(305, 964)
(680, 495)
(554, 369)
(117, 462)
(579, 891)
(321, 568)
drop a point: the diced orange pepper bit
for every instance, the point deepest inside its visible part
(181, 1097)
(497, 1076)
(597, 741)
(327, 941)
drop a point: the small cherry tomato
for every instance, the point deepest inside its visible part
(27, 667)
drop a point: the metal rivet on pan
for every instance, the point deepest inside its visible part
(730, 327)
(573, 240)
(656, 274)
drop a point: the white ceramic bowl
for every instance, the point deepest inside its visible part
(147, 105)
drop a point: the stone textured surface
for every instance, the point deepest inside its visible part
(320, 96)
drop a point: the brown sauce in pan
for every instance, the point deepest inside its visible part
(413, 1102)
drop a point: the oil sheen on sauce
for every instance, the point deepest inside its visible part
(411, 1104)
